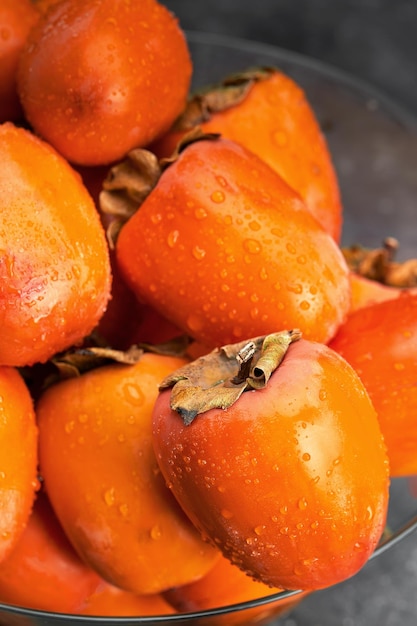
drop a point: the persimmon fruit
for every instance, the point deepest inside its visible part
(102, 478)
(238, 252)
(266, 111)
(380, 343)
(290, 481)
(95, 97)
(17, 17)
(18, 458)
(55, 275)
(43, 571)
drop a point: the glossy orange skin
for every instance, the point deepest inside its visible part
(16, 19)
(55, 275)
(224, 585)
(365, 291)
(228, 250)
(291, 482)
(380, 342)
(103, 480)
(109, 600)
(43, 571)
(98, 78)
(18, 458)
(276, 121)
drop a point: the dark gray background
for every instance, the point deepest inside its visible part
(376, 41)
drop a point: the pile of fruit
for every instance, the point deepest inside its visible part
(203, 397)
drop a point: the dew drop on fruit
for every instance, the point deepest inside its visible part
(252, 246)
(109, 496)
(200, 213)
(133, 394)
(302, 504)
(155, 532)
(217, 196)
(226, 514)
(172, 238)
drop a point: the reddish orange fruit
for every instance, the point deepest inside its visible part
(291, 480)
(16, 20)
(268, 112)
(104, 483)
(43, 571)
(98, 78)
(112, 601)
(55, 273)
(18, 458)
(228, 250)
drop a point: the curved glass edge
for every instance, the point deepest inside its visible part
(404, 531)
(326, 69)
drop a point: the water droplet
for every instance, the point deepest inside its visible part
(69, 426)
(172, 238)
(294, 288)
(200, 213)
(399, 367)
(217, 196)
(226, 514)
(322, 394)
(283, 509)
(194, 323)
(314, 525)
(302, 504)
(222, 181)
(254, 225)
(198, 253)
(155, 532)
(304, 305)
(306, 456)
(83, 418)
(133, 394)
(259, 530)
(291, 248)
(252, 246)
(124, 510)
(284, 530)
(109, 496)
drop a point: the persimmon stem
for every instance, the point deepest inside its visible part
(244, 357)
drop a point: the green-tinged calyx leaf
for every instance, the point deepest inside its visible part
(218, 379)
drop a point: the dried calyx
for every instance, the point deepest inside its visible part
(218, 379)
(129, 182)
(379, 264)
(216, 98)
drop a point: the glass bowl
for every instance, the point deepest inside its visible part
(374, 149)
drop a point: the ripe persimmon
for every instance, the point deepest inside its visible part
(98, 78)
(226, 584)
(109, 600)
(55, 275)
(16, 20)
(380, 343)
(18, 458)
(43, 571)
(101, 475)
(228, 250)
(266, 111)
(280, 462)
